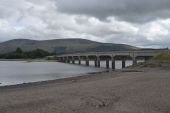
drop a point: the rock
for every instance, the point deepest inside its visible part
(99, 102)
(93, 101)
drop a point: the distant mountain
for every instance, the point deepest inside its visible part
(62, 46)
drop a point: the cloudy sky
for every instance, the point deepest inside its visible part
(143, 23)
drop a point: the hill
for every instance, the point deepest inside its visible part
(62, 46)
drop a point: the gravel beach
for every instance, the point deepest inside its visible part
(139, 90)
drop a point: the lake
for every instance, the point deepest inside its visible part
(18, 72)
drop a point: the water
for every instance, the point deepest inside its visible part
(18, 72)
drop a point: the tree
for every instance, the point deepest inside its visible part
(19, 54)
(18, 50)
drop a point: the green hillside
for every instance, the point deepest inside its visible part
(163, 56)
(62, 46)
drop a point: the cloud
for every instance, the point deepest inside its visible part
(135, 22)
(127, 10)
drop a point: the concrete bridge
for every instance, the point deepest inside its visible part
(109, 56)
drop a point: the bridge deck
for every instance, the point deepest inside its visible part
(119, 53)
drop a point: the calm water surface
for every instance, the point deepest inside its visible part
(18, 72)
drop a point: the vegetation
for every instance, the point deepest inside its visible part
(19, 50)
(163, 56)
(152, 65)
(19, 54)
(158, 60)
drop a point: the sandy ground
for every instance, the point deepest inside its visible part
(126, 91)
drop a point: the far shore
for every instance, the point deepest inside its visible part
(131, 90)
(29, 60)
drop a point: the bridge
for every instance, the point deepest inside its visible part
(109, 56)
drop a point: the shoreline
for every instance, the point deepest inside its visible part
(128, 90)
(60, 80)
(72, 79)
(48, 81)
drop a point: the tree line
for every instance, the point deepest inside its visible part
(20, 54)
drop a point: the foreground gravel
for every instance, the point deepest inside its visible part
(142, 91)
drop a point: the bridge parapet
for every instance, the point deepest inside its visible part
(114, 53)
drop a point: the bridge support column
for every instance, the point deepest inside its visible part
(87, 61)
(62, 59)
(98, 62)
(68, 61)
(73, 60)
(95, 62)
(79, 60)
(65, 60)
(134, 61)
(113, 63)
(123, 63)
(107, 63)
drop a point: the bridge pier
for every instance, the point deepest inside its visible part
(65, 59)
(98, 61)
(107, 63)
(134, 61)
(123, 63)
(113, 63)
(95, 62)
(87, 61)
(79, 60)
(68, 61)
(73, 60)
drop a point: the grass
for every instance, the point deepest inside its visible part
(158, 60)
(152, 65)
(165, 56)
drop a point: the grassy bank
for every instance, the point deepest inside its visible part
(158, 60)
(165, 56)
